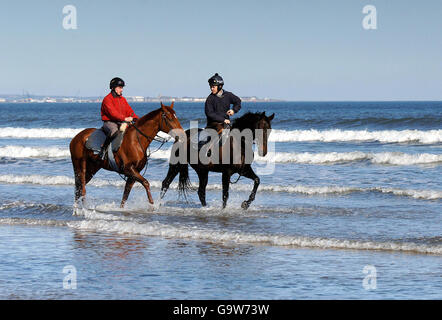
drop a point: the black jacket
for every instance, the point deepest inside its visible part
(216, 107)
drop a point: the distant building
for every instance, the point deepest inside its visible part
(135, 99)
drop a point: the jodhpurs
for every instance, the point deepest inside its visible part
(110, 128)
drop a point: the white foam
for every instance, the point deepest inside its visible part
(332, 135)
(32, 222)
(39, 133)
(416, 194)
(156, 184)
(403, 159)
(312, 158)
(338, 135)
(48, 133)
(392, 158)
(33, 152)
(194, 233)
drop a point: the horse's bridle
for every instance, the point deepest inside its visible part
(163, 118)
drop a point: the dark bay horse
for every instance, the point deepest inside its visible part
(130, 157)
(251, 121)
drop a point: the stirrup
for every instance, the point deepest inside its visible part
(103, 150)
(102, 153)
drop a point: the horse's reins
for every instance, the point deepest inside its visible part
(156, 137)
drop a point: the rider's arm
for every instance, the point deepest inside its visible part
(129, 111)
(212, 113)
(236, 101)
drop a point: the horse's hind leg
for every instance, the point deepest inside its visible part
(91, 170)
(174, 169)
(83, 174)
(249, 173)
(80, 178)
(128, 187)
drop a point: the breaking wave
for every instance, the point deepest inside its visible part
(156, 184)
(277, 135)
(45, 133)
(33, 222)
(392, 158)
(109, 223)
(39, 133)
(338, 135)
(33, 152)
(193, 233)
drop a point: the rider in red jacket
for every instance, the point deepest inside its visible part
(115, 111)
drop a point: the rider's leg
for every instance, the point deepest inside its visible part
(111, 130)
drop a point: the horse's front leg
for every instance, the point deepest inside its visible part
(132, 173)
(203, 176)
(226, 184)
(128, 187)
(249, 173)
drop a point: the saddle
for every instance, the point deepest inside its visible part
(202, 137)
(95, 141)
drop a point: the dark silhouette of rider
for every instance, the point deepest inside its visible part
(220, 104)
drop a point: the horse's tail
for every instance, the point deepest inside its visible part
(184, 184)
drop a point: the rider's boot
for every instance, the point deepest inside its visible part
(106, 143)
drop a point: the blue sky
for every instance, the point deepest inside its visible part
(293, 50)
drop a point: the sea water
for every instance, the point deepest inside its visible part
(351, 209)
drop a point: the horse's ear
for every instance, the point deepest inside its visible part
(172, 104)
(271, 117)
(162, 105)
(263, 114)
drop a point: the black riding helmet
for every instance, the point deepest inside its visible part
(116, 82)
(216, 80)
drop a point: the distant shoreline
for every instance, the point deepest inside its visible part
(58, 99)
(131, 99)
(246, 101)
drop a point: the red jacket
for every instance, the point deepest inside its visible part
(116, 108)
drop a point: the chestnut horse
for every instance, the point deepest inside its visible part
(131, 156)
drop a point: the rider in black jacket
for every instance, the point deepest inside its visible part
(220, 104)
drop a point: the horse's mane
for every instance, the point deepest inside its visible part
(247, 120)
(148, 117)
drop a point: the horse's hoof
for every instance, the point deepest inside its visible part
(245, 205)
